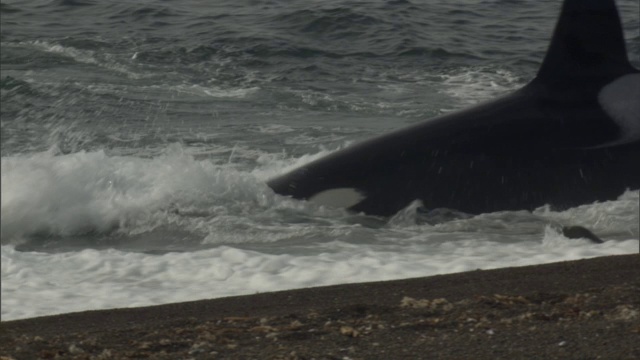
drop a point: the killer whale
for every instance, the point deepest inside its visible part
(571, 136)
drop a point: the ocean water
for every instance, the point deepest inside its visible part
(136, 139)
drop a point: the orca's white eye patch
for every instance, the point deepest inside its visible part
(620, 99)
(339, 197)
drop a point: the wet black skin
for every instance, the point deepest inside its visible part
(547, 143)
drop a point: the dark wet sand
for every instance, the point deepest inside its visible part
(585, 309)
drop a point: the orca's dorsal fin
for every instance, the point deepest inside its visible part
(587, 42)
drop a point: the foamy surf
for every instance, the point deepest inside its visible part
(37, 284)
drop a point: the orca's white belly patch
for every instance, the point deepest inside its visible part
(340, 197)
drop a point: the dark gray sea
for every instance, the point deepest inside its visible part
(136, 139)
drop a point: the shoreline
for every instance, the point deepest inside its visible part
(569, 309)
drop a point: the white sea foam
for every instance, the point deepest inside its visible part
(274, 129)
(35, 284)
(85, 57)
(59, 194)
(473, 85)
(216, 91)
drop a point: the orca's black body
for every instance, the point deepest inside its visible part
(569, 137)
